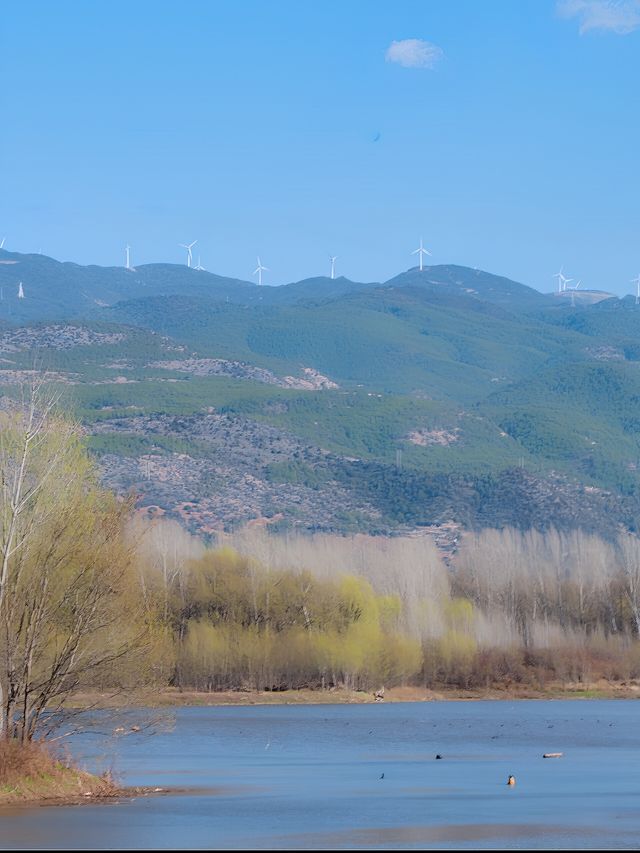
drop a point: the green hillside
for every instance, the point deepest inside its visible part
(397, 339)
(443, 395)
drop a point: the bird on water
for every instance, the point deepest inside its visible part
(511, 780)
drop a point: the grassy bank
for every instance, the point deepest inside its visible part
(29, 773)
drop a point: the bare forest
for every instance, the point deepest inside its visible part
(272, 612)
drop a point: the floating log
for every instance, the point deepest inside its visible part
(553, 755)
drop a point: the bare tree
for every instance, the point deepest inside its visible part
(629, 549)
(70, 609)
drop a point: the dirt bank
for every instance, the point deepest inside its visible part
(173, 697)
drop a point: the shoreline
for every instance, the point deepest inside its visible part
(94, 796)
(54, 783)
(30, 775)
(173, 697)
(57, 784)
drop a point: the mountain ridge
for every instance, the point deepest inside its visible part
(411, 399)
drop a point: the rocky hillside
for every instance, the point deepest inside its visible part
(444, 399)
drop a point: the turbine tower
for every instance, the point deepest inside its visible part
(636, 281)
(573, 293)
(259, 269)
(200, 268)
(188, 247)
(127, 250)
(333, 259)
(20, 291)
(420, 251)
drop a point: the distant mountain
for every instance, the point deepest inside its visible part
(460, 281)
(448, 395)
(55, 290)
(314, 289)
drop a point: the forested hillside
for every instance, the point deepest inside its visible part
(446, 399)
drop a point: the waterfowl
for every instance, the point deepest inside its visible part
(511, 780)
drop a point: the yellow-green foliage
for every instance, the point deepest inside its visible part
(459, 615)
(70, 603)
(456, 649)
(245, 625)
(451, 656)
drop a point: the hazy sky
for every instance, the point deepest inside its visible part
(505, 132)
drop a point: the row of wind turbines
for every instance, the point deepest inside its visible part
(563, 280)
(563, 284)
(420, 251)
(189, 247)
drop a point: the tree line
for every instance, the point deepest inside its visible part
(278, 612)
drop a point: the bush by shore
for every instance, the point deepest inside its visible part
(30, 773)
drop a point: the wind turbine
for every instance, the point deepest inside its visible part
(259, 269)
(200, 268)
(636, 281)
(333, 259)
(2, 242)
(188, 247)
(563, 281)
(559, 275)
(127, 249)
(20, 291)
(420, 251)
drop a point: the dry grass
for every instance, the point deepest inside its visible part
(29, 772)
(18, 760)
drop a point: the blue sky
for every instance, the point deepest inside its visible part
(505, 132)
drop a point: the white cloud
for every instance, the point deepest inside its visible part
(616, 16)
(414, 53)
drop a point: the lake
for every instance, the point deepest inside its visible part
(287, 777)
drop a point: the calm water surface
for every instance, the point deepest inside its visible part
(290, 777)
